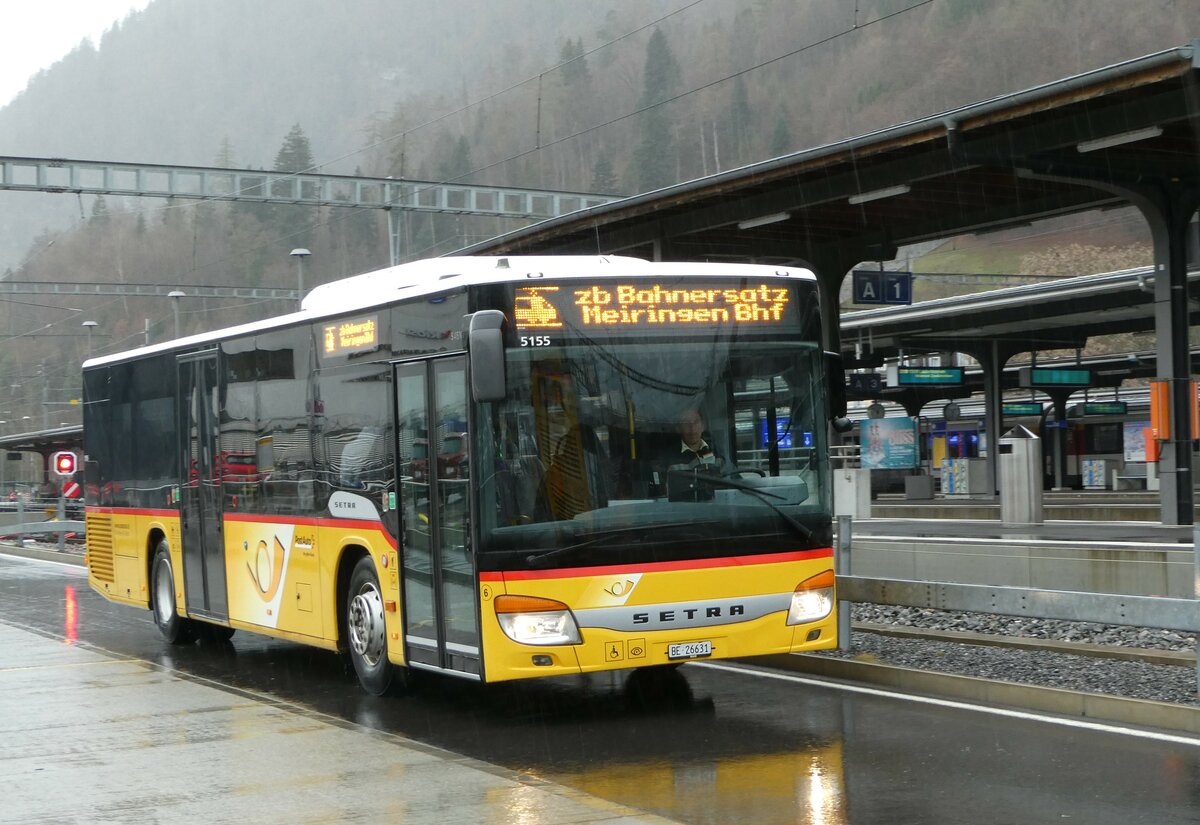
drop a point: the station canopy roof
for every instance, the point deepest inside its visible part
(1076, 144)
(44, 441)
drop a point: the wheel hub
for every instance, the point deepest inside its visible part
(366, 625)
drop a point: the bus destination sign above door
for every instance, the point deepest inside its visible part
(647, 308)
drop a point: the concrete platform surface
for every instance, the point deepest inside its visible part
(89, 737)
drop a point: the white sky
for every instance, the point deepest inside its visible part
(37, 33)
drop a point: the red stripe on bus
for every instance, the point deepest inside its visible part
(658, 566)
(131, 511)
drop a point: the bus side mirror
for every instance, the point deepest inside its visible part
(835, 387)
(485, 342)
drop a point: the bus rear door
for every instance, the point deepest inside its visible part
(200, 487)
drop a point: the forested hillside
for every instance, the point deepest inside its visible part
(616, 95)
(603, 95)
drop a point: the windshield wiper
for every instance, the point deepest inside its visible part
(757, 492)
(601, 536)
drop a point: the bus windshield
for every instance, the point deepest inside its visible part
(641, 453)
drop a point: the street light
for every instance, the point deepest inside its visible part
(175, 295)
(88, 325)
(300, 255)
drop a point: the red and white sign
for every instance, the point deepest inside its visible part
(72, 489)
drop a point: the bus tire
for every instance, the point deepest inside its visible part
(366, 635)
(173, 627)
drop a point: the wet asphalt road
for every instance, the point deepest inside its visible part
(704, 745)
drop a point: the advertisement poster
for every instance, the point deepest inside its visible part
(1094, 471)
(888, 444)
(1135, 440)
(955, 476)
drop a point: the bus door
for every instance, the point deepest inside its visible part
(200, 487)
(440, 599)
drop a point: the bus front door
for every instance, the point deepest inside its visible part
(440, 600)
(200, 487)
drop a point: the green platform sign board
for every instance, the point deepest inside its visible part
(1055, 377)
(1019, 408)
(928, 376)
(1105, 408)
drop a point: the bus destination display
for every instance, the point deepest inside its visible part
(351, 335)
(618, 307)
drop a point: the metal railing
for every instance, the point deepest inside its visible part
(844, 456)
(55, 523)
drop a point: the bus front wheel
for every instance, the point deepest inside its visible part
(365, 631)
(174, 628)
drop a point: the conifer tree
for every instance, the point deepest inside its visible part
(295, 155)
(225, 158)
(604, 180)
(655, 156)
(574, 64)
(740, 117)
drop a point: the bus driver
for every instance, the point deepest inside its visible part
(694, 452)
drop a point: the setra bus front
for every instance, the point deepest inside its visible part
(652, 474)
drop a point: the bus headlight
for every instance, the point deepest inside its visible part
(812, 599)
(535, 621)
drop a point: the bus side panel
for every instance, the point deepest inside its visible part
(282, 577)
(272, 574)
(119, 553)
(628, 617)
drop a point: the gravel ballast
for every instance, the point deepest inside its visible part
(1070, 671)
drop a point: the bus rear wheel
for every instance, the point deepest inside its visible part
(365, 631)
(173, 627)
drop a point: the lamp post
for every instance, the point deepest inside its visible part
(89, 325)
(175, 295)
(300, 254)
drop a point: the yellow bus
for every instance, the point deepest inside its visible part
(476, 466)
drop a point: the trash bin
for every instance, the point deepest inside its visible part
(918, 487)
(1020, 477)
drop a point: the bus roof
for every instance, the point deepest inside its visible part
(426, 277)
